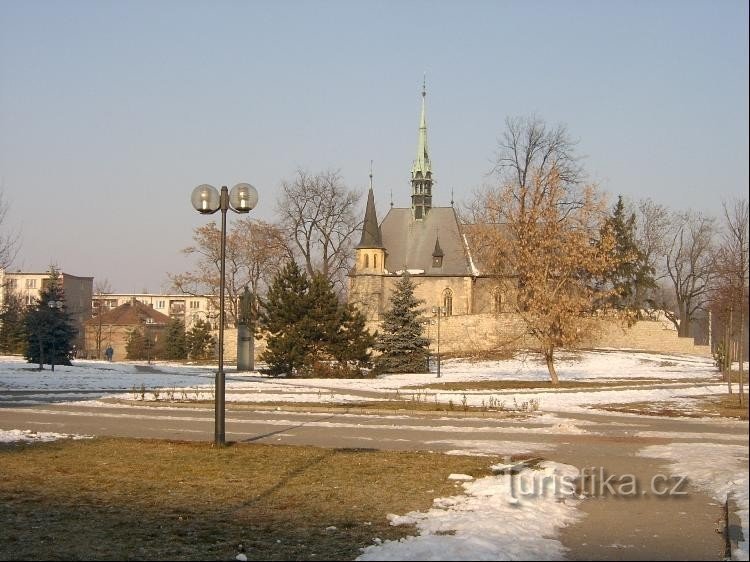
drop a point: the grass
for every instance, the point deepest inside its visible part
(126, 499)
(526, 384)
(420, 403)
(715, 407)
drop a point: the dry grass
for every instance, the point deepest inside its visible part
(526, 384)
(124, 499)
(714, 406)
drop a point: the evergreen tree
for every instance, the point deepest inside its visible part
(631, 275)
(13, 337)
(49, 329)
(283, 319)
(339, 343)
(402, 347)
(309, 332)
(201, 343)
(354, 342)
(175, 341)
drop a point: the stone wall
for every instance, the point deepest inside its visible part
(476, 333)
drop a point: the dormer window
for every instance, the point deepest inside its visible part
(437, 255)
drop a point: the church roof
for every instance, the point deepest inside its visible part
(371, 237)
(410, 243)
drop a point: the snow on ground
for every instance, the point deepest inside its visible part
(492, 520)
(720, 469)
(15, 435)
(678, 376)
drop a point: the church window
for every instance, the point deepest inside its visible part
(448, 302)
(375, 261)
(367, 261)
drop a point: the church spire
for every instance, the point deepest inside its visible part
(421, 170)
(371, 236)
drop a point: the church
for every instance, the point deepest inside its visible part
(424, 240)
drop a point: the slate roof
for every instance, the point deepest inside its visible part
(371, 237)
(133, 313)
(410, 243)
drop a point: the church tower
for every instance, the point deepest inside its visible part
(370, 250)
(421, 171)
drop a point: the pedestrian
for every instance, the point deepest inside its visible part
(109, 352)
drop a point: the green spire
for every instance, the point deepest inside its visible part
(421, 165)
(421, 171)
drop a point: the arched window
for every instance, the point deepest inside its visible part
(375, 261)
(497, 301)
(367, 261)
(448, 302)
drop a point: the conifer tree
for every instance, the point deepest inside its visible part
(201, 343)
(175, 341)
(309, 332)
(339, 342)
(49, 330)
(12, 324)
(631, 276)
(400, 342)
(283, 319)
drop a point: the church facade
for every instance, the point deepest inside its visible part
(426, 241)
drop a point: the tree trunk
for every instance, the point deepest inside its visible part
(683, 330)
(728, 351)
(741, 346)
(550, 359)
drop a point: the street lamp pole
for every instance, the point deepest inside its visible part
(207, 200)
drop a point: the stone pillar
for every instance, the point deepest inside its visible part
(245, 339)
(245, 348)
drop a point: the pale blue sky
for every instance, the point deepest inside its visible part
(112, 112)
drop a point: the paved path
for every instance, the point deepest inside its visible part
(615, 528)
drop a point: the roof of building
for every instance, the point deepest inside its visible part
(371, 236)
(410, 243)
(133, 313)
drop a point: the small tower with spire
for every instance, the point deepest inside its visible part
(421, 171)
(370, 250)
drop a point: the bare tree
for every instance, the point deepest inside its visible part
(9, 239)
(102, 287)
(689, 265)
(319, 213)
(652, 232)
(545, 231)
(255, 250)
(732, 278)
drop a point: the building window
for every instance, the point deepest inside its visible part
(159, 304)
(29, 300)
(195, 304)
(367, 261)
(448, 302)
(12, 283)
(375, 261)
(31, 283)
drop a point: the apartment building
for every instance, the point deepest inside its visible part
(187, 308)
(28, 285)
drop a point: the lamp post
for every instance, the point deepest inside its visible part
(54, 305)
(206, 199)
(438, 311)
